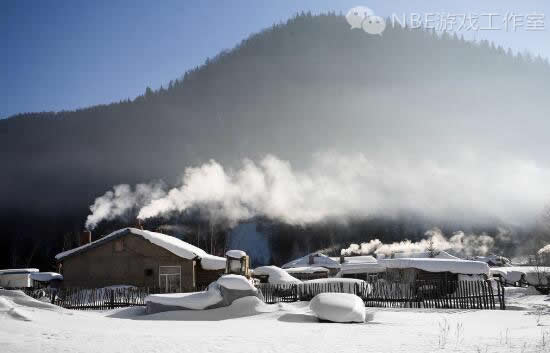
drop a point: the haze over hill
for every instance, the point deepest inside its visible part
(454, 125)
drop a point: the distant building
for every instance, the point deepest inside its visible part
(17, 277)
(141, 258)
(412, 269)
(315, 260)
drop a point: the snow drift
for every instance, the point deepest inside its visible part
(221, 293)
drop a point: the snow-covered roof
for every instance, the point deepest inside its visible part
(318, 260)
(360, 264)
(493, 259)
(236, 254)
(424, 254)
(276, 275)
(438, 265)
(12, 271)
(534, 275)
(211, 262)
(174, 245)
(359, 259)
(307, 269)
(45, 276)
(364, 267)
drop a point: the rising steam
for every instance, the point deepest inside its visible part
(121, 200)
(336, 186)
(458, 243)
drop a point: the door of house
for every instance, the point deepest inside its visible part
(170, 279)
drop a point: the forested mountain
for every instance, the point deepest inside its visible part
(291, 90)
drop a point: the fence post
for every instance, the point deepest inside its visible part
(112, 299)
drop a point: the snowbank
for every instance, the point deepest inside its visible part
(45, 276)
(236, 254)
(533, 275)
(311, 269)
(276, 275)
(16, 305)
(438, 265)
(338, 307)
(195, 301)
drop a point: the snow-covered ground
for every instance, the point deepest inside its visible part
(248, 325)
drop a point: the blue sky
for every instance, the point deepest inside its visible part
(61, 55)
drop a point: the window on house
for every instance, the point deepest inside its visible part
(119, 245)
(170, 279)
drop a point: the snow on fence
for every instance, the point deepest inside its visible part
(418, 294)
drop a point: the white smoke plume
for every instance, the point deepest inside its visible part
(336, 186)
(458, 243)
(120, 200)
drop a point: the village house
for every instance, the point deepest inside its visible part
(313, 260)
(141, 258)
(413, 269)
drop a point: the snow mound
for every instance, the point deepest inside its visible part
(7, 308)
(338, 307)
(276, 275)
(45, 276)
(195, 301)
(236, 282)
(16, 305)
(242, 307)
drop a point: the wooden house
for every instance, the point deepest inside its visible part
(141, 258)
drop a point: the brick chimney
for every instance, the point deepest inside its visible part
(85, 237)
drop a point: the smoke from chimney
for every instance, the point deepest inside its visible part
(337, 186)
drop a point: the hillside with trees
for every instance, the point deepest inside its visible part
(307, 85)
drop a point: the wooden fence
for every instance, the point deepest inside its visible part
(94, 299)
(377, 293)
(381, 293)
